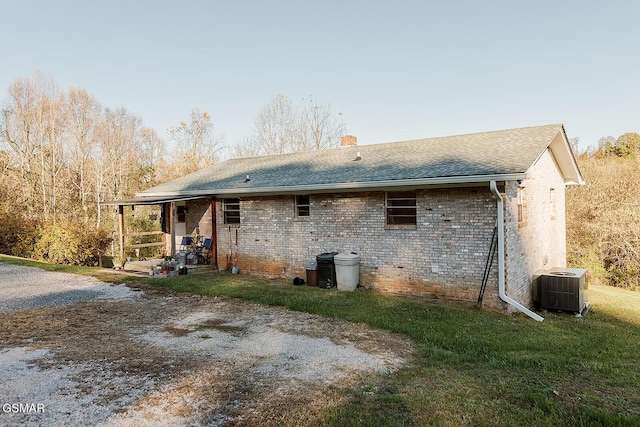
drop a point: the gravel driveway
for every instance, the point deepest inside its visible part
(78, 352)
(25, 287)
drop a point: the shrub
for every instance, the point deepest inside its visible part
(69, 244)
(17, 234)
(603, 221)
(619, 246)
(93, 243)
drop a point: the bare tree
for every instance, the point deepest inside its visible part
(117, 157)
(152, 150)
(49, 125)
(82, 114)
(197, 145)
(276, 126)
(31, 129)
(248, 147)
(67, 150)
(319, 127)
(18, 134)
(281, 128)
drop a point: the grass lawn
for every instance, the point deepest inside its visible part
(471, 367)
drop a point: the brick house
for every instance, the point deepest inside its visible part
(421, 214)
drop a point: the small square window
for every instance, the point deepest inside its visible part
(181, 212)
(302, 205)
(231, 210)
(401, 208)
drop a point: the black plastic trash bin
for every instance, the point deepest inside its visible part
(326, 270)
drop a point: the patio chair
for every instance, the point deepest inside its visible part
(204, 256)
(186, 243)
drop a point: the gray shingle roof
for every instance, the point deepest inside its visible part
(502, 152)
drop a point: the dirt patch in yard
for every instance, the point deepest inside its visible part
(157, 358)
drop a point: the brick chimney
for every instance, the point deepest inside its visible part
(348, 141)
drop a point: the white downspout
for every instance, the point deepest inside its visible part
(501, 291)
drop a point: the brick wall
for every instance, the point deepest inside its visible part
(539, 242)
(198, 218)
(444, 254)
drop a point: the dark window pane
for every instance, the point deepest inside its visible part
(401, 202)
(231, 208)
(401, 208)
(403, 220)
(302, 205)
(180, 212)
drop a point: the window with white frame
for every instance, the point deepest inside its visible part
(522, 205)
(231, 211)
(302, 205)
(401, 208)
(552, 202)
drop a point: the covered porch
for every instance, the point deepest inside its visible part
(186, 229)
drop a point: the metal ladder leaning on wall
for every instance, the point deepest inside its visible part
(487, 267)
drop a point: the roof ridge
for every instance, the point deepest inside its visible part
(460, 135)
(352, 147)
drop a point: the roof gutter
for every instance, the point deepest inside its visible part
(343, 186)
(149, 200)
(501, 284)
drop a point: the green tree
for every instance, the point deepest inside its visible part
(626, 145)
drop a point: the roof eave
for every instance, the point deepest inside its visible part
(563, 153)
(448, 181)
(150, 200)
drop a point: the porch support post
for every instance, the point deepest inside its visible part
(214, 234)
(121, 230)
(172, 212)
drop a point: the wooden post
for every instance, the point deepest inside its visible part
(166, 214)
(214, 234)
(121, 229)
(172, 212)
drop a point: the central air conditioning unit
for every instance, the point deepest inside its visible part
(560, 289)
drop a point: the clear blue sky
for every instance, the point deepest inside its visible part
(395, 69)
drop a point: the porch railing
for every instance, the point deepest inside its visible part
(143, 245)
